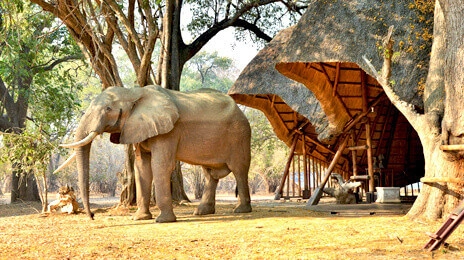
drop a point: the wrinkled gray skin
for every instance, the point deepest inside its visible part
(202, 128)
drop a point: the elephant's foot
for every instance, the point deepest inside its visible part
(205, 209)
(165, 217)
(243, 208)
(142, 216)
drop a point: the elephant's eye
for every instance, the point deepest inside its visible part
(108, 109)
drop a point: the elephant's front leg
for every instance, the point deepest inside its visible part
(208, 200)
(143, 181)
(163, 163)
(163, 195)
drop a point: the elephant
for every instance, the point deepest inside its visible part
(203, 127)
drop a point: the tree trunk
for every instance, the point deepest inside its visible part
(177, 185)
(439, 196)
(170, 75)
(437, 199)
(23, 186)
(27, 188)
(198, 182)
(127, 179)
(454, 70)
(446, 71)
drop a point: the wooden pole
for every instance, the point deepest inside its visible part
(452, 147)
(441, 179)
(293, 176)
(305, 165)
(314, 200)
(353, 156)
(360, 147)
(370, 167)
(313, 171)
(299, 175)
(287, 168)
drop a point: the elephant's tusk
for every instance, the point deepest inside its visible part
(82, 142)
(66, 163)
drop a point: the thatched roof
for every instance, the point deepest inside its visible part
(345, 31)
(332, 86)
(286, 103)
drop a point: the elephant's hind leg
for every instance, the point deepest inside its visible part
(244, 200)
(208, 200)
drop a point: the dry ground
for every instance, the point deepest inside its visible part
(272, 231)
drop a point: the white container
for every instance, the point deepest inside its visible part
(388, 195)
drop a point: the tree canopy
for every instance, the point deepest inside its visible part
(39, 63)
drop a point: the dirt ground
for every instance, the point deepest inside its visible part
(274, 230)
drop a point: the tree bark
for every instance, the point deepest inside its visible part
(127, 179)
(453, 25)
(446, 72)
(437, 199)
(439, 125)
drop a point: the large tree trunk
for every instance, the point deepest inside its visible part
(453, 13)
(437, 199)
(23, 187)
(127, 179)
(446, 78)
(441, 123)
(172, 63)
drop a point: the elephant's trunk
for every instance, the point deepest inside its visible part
(82, 156)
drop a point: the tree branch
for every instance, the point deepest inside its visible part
(127, 23)
(253, 28)
(153, 32)
(405, 108)
(128, 45)
(99, 52)
(235, 20)
(52, 65)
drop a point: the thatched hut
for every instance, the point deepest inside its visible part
(319, 94)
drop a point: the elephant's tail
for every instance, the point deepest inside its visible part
(236, 191)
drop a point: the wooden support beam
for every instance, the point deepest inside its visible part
(362, 115)
(287, 168)
(337, 78)
(441, 179)
(366, 109)
(452, 147)
(305, 165)
(359, 147)
(354, 155)
(370, 166)
(314, 200)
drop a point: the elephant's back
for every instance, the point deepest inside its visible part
(207, 104)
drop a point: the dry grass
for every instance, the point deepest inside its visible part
(272, 231)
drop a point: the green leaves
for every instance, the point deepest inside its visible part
(38, 81)
(29, 150)
(207, 70)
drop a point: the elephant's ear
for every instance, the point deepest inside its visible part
(154, 113)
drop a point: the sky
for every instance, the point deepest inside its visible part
(226, 45)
